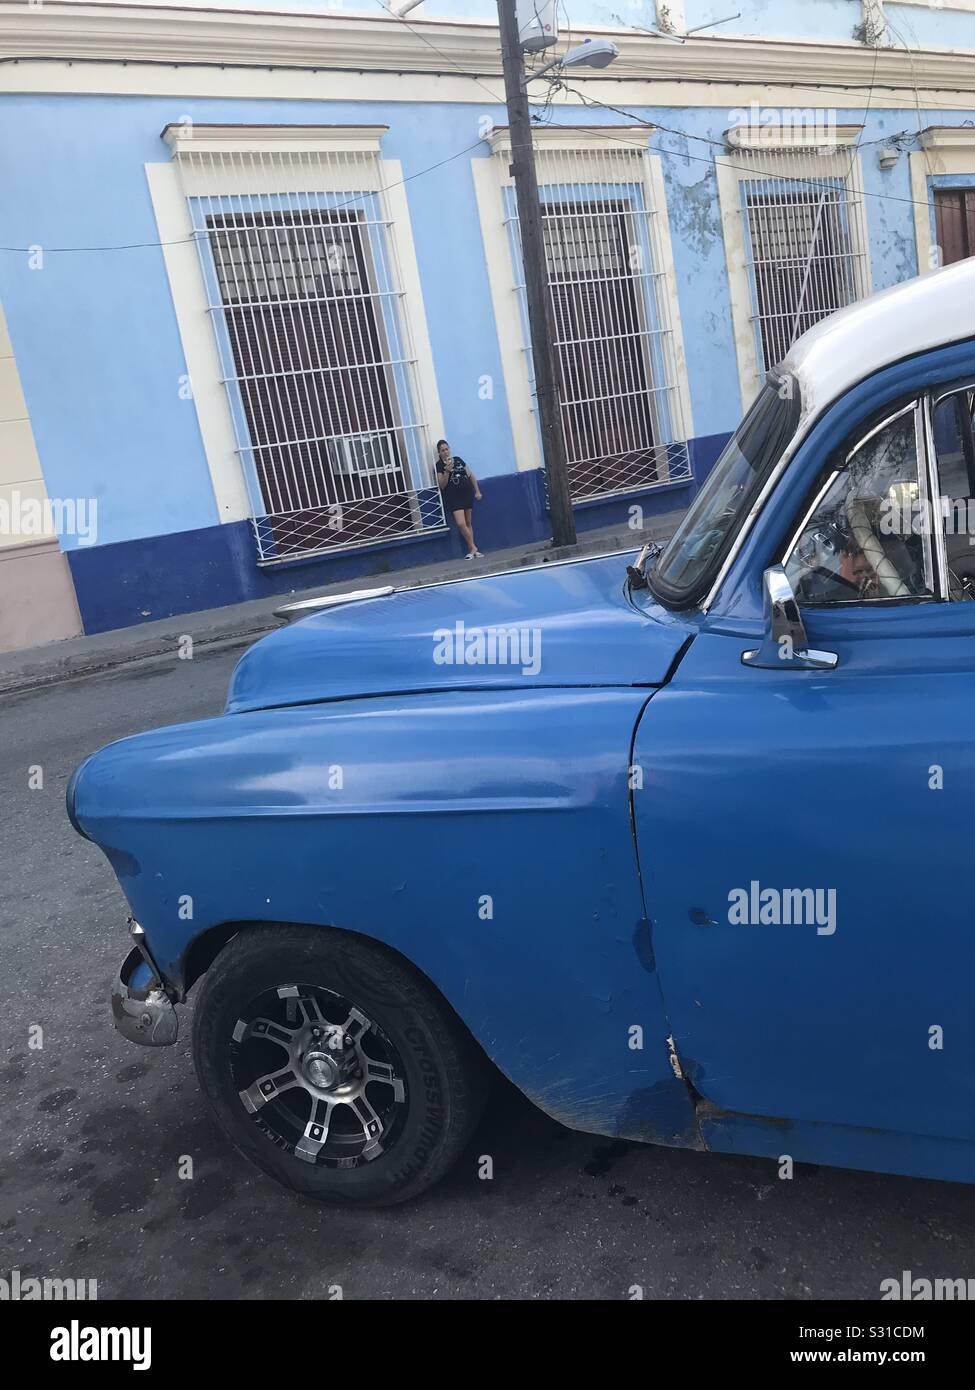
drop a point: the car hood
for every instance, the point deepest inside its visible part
(560, 624)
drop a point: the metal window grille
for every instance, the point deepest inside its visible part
(614, 344)
(311, 325)
(805, 251)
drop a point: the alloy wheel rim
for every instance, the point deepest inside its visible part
(318, 1076)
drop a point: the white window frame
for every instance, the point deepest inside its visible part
(490, 180)
(739, 165)
(189, 294)
(945, 151)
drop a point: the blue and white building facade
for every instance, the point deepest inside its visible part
(255, 263)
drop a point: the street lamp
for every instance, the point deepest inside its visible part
(591, 53)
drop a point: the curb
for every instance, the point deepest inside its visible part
(63, 669)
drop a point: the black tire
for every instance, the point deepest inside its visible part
(427, 1112)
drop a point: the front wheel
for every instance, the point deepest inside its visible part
(335, 1066)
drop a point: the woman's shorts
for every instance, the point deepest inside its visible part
(458, 499)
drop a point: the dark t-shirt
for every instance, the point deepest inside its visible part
(458, 494)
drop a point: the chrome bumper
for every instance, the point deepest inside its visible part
(146, 1014)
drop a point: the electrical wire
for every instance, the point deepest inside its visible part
(182, 241)
(597, 131)
(401, 19)
(546, 117)
(720, 144)
(917, 95)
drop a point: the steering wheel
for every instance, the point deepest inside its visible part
(831, 578)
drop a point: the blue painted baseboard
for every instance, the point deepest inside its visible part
(161, 576)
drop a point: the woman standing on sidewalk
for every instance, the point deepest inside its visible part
(460, 491)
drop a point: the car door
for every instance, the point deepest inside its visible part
(805, 836)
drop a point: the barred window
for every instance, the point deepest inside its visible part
(802, 257)
(314, 341)
(803, 242)
(606, 391)
(615, 354)
(795, 234)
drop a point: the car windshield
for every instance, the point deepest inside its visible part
(690, 561)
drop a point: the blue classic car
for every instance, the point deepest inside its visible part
(675, 841)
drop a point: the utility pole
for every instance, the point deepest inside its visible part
(536, 278)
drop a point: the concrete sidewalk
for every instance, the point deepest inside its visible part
(239, 624)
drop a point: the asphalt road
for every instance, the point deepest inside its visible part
(93, 1128)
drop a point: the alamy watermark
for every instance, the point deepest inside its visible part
(784, 126)
(49, 516)
(787, 907)
(16, 1288)
(489, 646)
(920, 1290)
(80, 1343)
(915, 516)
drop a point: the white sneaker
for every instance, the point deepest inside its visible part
(479, 554)
(470, 554)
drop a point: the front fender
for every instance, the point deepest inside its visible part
(484, 835)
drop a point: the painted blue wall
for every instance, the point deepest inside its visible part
(909, 26)
(96, 340)
(95, 332)
(803, 19)
(797, 19)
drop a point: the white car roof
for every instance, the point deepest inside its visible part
(929, 311)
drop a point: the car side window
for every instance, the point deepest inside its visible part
(954, 451)
(858, 543)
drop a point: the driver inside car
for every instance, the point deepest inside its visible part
(856, 570)
(836, 570)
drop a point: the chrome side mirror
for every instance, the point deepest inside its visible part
(785, 645)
